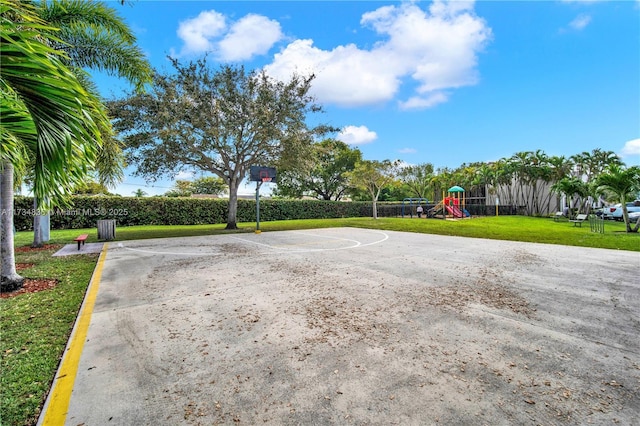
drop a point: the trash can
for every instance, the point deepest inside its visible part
(107, 229)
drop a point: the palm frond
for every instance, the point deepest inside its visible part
(68, 13)
(100, 50)
(63, 113)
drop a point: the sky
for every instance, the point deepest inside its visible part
(442, 82)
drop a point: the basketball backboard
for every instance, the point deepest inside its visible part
(262, 174)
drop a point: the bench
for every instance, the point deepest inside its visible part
(81, 239)
(558, 216)
(579, 219)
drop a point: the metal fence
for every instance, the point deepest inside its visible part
(596, 223)
(396, 210)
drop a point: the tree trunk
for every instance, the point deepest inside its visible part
(625, 216)
(375, 209)
(233, 205)
(9, 278)
(37, 231)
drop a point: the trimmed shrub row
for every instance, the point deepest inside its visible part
(128, 211)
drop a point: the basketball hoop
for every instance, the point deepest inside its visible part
(265, 176)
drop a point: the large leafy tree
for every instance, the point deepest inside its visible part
(46, 114)
(323, 174)
(622, 184)
(372, 176)
(218, 122)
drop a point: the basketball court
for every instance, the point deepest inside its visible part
(355, 326)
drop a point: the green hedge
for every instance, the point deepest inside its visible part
(129, 211)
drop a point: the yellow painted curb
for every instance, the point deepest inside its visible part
(60, 396)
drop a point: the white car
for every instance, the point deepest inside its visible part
(615, 212)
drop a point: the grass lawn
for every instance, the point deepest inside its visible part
(35, 327)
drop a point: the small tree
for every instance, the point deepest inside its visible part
(139, 193)
(91, 187)
(622, 184)
(208, 185)
(373, 176)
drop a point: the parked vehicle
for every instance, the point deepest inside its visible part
(633, 217)
(615, 212)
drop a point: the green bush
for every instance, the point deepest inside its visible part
(131, 211)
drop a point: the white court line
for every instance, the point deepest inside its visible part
(120, 245)
(356, 245)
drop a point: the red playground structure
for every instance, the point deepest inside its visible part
(453, 204)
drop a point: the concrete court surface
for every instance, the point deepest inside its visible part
(354, 327)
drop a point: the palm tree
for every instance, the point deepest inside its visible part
(46, 113)
(560, 168)
(93, 36)
(592, 164)
(505, 172)
(139, 193)
(623, 184)
(571, 187)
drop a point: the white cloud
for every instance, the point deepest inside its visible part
(407, 151)
(356, 135)
(437, 48)
(250, 36)
(209, 33)
(631, 148)
(580, 22)
(185, 175)
(345, 75)
(198, 32)
(421, 102)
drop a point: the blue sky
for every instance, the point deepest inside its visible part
(439, 82)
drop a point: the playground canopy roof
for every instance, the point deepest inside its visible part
(455, 189)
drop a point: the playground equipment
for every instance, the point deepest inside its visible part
(452, 205)
(418, 201)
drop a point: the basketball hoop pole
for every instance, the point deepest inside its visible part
(260, 175)
(258, 183)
